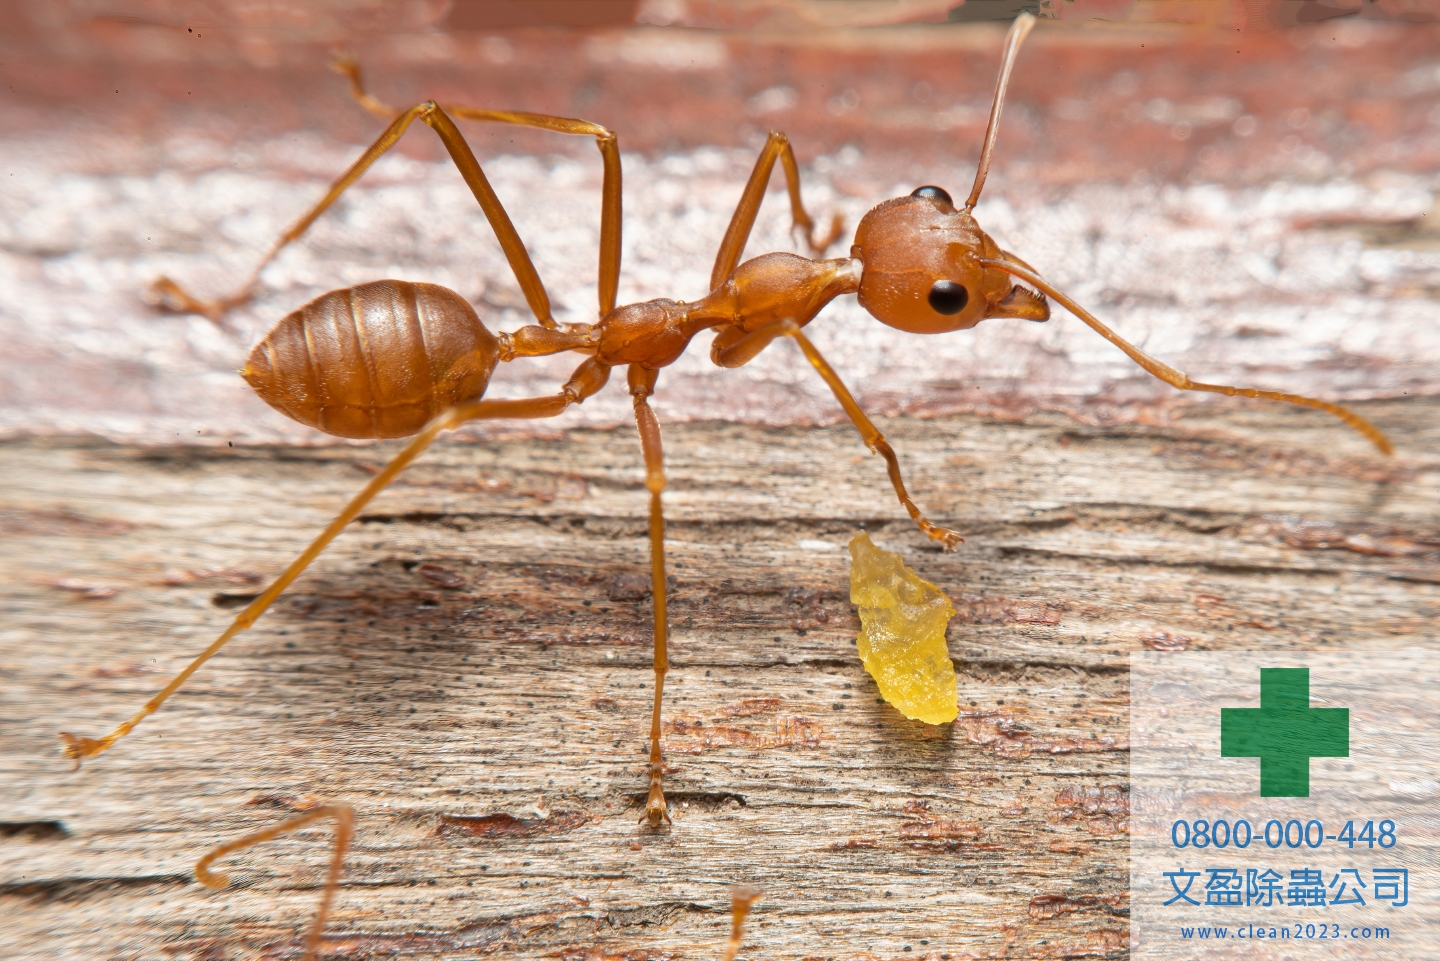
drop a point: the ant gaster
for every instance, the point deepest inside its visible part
(396, 359)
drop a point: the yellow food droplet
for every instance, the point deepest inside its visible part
(902, 633)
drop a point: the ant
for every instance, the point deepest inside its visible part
(395, 359)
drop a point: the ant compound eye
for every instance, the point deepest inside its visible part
(948, 297)
(933, 193)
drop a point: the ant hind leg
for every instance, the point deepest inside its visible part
(588, 378)
(344, 62)
(168, 295)
(344, 818)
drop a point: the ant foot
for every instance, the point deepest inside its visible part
(818, 245)
(946, 538)
(79, 748)
(656, 810)
(165, 294)
(344, 63)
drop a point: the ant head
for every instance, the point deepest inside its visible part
(922, 270)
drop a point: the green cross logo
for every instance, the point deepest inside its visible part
(1284, 732)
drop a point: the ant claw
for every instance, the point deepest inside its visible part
(656, 810)
(947, 539)
(79, 748)
(655, 814)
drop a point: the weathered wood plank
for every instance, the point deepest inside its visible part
(524, 689)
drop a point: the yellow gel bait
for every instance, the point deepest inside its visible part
(902, 633)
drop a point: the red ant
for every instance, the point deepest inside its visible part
(396, 359)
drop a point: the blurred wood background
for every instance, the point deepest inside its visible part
(477, 645)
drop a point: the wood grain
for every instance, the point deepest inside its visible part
(477, 647)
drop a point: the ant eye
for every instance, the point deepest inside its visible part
(948, 297)
(933, 193)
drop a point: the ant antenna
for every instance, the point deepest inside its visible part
(1022, 26)
(1177, 378)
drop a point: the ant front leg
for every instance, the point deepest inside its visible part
(777, 146)
(344, 819)
(739, 349)
(642, 385)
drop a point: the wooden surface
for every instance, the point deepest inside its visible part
(512, 677)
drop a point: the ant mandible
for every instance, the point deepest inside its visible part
(396, 359)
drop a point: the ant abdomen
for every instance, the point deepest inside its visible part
(376, 360)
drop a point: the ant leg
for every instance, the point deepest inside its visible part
(344, 62)
(741, 899)
(515, 252)
(344, 819)
(736, 347)
(1179, 379)
(875, 440)
(588, 378)
(742, 349)
(171, 296)
(609, 277)
(777, 145)
(642, 385)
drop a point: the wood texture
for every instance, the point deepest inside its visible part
(477, 647)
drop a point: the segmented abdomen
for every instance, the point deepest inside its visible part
(377, 360)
